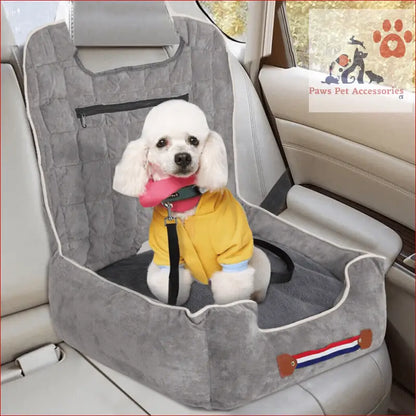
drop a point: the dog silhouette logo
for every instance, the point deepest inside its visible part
(352, 70)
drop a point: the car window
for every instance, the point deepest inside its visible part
(25, 16)
(375, 36)
(229, 16)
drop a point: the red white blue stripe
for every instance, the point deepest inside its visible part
(346, 346)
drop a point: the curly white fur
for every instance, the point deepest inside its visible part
(158, 282)
(131, 174)
(211, 174)
(231, 286)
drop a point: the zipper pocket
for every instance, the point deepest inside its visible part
(92, 110)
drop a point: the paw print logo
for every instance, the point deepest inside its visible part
(392, 44)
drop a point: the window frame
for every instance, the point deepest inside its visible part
(213, 22)
(283, 53)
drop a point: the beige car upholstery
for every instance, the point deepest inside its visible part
(287, 94)
(255, 143)
(25, 331)
(7, 39)
(9, 51)
(25, 252)
(400, 287)
(365, 157)
(71, 386)
(372, 178)
(25, 245)
(77, 386)
(331, 220)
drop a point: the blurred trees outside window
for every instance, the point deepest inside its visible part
(229, 16)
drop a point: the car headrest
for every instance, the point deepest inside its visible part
(121, 24)
(7, 39)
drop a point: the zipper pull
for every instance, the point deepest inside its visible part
(83, 121)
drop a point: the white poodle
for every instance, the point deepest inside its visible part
(216, 244)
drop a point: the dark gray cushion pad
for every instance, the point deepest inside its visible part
(312, 289)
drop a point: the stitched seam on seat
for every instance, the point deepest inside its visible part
(371, 412)
(259, 166)
(118, 387)
(317, 400)
(351, 167)
(71, 20)
(25, 310)
(378, 368)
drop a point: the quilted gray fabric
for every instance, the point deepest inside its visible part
(97, 226)
(219, 358)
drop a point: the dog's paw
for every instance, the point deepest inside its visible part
(158, 283)
(231, 286)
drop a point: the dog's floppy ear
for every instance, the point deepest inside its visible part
(131, 174)
(213, 168)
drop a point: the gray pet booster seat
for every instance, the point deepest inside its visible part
(332, 310)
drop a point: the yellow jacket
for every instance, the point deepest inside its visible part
(217, 234)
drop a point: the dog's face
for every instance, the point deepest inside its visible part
(175, 141)
(175, 133)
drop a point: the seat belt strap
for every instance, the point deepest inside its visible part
(285, 276)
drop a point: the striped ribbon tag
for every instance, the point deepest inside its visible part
(289, 363)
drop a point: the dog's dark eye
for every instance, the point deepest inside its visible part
(162, 143)
(193, 141)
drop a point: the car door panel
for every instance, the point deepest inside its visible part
(349, 169)
(368, 158)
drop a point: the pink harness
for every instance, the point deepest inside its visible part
(157, 191)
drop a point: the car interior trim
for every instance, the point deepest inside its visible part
(405, 233)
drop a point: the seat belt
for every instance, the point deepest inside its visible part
(290, 266)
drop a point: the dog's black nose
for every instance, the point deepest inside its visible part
(183, 159)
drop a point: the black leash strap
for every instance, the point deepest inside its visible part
(173, 245)
(285, 276)
(174, 263)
